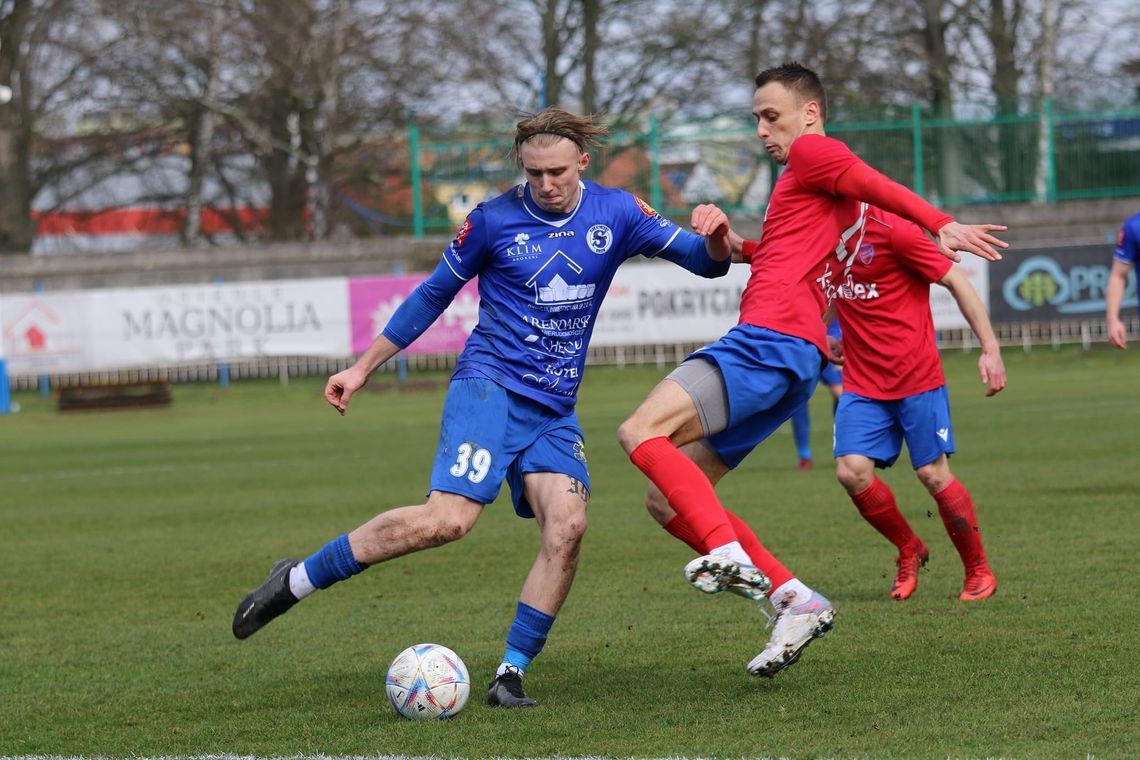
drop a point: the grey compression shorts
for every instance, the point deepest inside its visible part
(704, 383)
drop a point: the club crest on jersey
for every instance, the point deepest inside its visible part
(599, 238)
(645, 207)
(866, 253)
(464, 231)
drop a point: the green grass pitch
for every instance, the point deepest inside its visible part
(127, 538)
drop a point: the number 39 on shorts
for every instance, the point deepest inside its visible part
(473, 462)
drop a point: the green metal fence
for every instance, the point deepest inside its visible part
(1048, 156)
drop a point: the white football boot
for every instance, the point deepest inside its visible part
(795, 626)
(714, 573)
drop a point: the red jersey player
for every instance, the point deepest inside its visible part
(894, 389)
(751, 380)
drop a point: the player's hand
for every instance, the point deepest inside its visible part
(341, 386)
(709, 221)
(835, 350)
(992, 371)
(712, 224)
(974, 238)
(1117, 335)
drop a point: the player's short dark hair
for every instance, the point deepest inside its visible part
(583, 131)
(798, 79)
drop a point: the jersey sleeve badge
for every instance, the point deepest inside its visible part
(645, 207)
(461, 236)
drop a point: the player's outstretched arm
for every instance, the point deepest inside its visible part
(1113, 297)
(975, 238)
(860, 181)
(990, 366)
(342, 385)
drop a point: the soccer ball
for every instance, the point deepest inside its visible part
(428, 681)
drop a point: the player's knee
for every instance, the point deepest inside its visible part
(564, 530)
(450, 522)
(934, 476)
(853, 479)
(449, 528)
(630, 435)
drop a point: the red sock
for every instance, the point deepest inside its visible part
(761, 557)
(680, 529)
(961, 521)
(687, 489)
(876, 503)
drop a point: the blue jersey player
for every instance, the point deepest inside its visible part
(1124, 260)
(545, 253)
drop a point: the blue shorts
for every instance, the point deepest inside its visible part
(489, 434)
(767, 375)
(876, 429)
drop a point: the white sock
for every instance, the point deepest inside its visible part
(503, 669)
(733, 551)
(299, 584)
(799, 593)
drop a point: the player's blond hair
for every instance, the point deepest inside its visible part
(551, 124)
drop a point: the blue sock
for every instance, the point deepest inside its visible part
(331, 563)
(527, 636)
(801, 431)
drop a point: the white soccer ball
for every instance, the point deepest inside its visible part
(428, 681)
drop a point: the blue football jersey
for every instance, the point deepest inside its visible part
(542, 278)
(1128, 244)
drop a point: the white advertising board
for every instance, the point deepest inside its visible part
(107, 329)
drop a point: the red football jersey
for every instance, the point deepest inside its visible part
(806, 222)
(883, 303)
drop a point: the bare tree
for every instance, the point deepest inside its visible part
(16, 129)
(48, 52)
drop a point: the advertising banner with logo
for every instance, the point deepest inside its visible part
(48, 333)
(659, 302)
(648, 303)
(112, 329)
(1055, 283)
(373, 300)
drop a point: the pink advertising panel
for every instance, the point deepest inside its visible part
(373, 300)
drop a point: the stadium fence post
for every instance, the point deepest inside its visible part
(654, 163)
(1050, 154)
(417, 178)
(916, 129)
